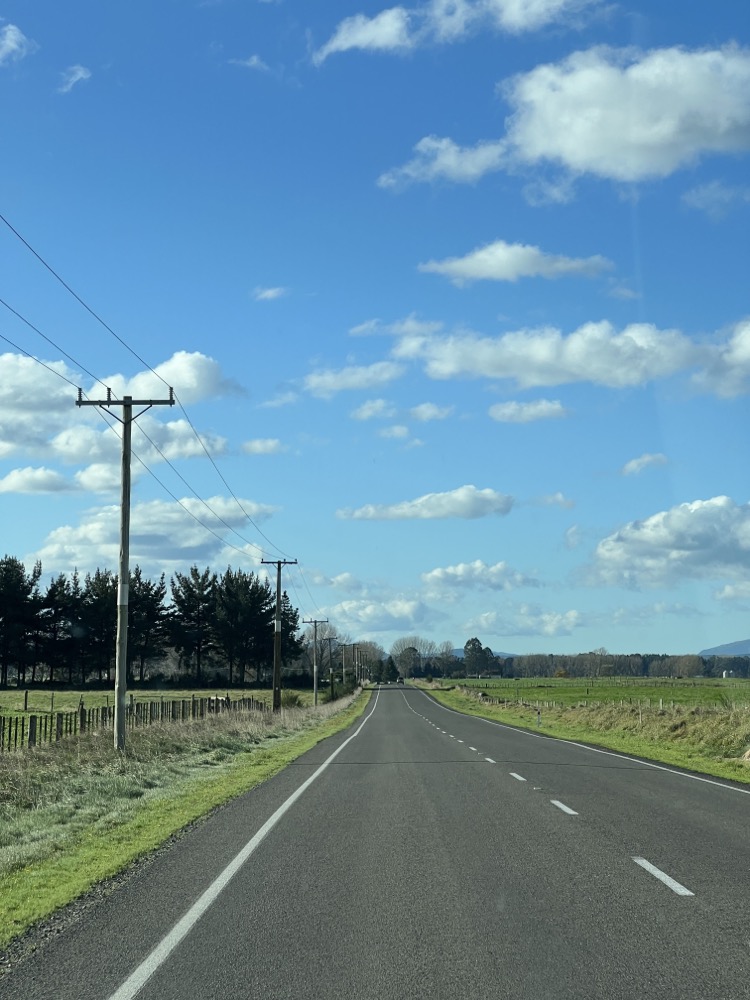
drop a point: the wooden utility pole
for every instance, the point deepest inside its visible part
(278, 563)
(315, 622)
(121, 654)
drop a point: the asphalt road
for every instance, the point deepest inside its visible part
(435, 855)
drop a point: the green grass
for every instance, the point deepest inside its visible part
(699, 738)
(70, 819)
(707, 691)
(41, 702)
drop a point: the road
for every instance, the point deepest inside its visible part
(435, 855)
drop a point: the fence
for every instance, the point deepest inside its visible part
(20, 731)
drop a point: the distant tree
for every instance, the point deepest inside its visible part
(19, 609)
(475, 657)
(148, 621)
(58, 615)
(98, 623)
(194, 603)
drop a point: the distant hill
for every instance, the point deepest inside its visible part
(741, 648)
(503, 656)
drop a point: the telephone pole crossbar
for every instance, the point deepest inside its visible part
(278, 563)
(121, 653)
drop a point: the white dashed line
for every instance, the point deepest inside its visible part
(459, 741)
(658, 873)
(565, 809)
(517, 776)
(490, 760)
(474, 749)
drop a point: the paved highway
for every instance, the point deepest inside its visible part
(423, 853)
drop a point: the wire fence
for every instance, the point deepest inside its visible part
(18, 732)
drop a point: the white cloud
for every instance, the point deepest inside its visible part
(388, 31)
(527, 619)
(163, 536)
(263, 446)
(100, 477)
(716, 199)
(282, 399)
(704, 539)
(477, 575)
(430, 411)
(399, 614)
(501, 261)
(374, 408)
(400, 29)
(442, 159)
(14, 45)
(637, 465)
(595, 352)
(573, 537)
(396, 432)
(524, 413)
(261, 294)
(252, 62)
(38, 480)
(365, 329)
(327, 383)
(619, 114)
(557, 500)
(734, 592)
(464, 502)
(193, 376)
(71, 76)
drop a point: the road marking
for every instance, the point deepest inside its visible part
(663, 877)
(582, 746)
(451, 737)
(565, 809)
(517, 776)
(490, 760)
(459, 741)
(474, 749)
(151, 964)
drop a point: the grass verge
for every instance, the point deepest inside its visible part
(712, 742)
(71, 819)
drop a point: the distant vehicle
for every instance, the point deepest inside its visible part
(399, 680)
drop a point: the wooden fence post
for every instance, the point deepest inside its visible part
(32, 730)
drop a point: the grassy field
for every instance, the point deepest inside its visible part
(695, 735)
(711, 692)
(41, 702)
(74, 814)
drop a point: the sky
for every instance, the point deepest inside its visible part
(453, 297)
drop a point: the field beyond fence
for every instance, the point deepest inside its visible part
(28, 729)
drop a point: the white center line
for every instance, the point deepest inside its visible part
(517, 776)
(489, 760)
(565, 809)
(459, 741)
(474, 749)
(663, 877)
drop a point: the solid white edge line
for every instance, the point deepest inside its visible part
(663, 877)
(516, 776)
(565, 809)
(138, 979)
(582, 746)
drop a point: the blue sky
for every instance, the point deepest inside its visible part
(454, 294)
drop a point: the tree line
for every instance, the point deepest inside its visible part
(216, 626)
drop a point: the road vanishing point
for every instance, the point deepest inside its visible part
(425, 853)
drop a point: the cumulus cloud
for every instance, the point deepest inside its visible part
(400, 29)
(716, 199)
(388, 31)
(327, 383)
(476, 575)
(704, 539)
(38, 480)
(263, 446)
(595, 352)
(261, 294)
(501, 261)
(465, 502)
(163, 535)
(637, 465)
(399, 614)
(71, 76)
(372, 409)
(727, 370)
(430, 411)
(14, 45)
(526, 619)
(619, 114)
(556, 500)
(192, 375)
(734, 592)
(524, 413)
(395, 432)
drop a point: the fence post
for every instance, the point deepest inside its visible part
(32, 730)
(59, 726)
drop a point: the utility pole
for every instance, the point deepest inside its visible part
(315, 622)
(278, 563)
(121, 654)
(330, 654)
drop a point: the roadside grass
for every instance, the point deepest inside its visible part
(707, 740)
(63, 699)
(72, 816)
